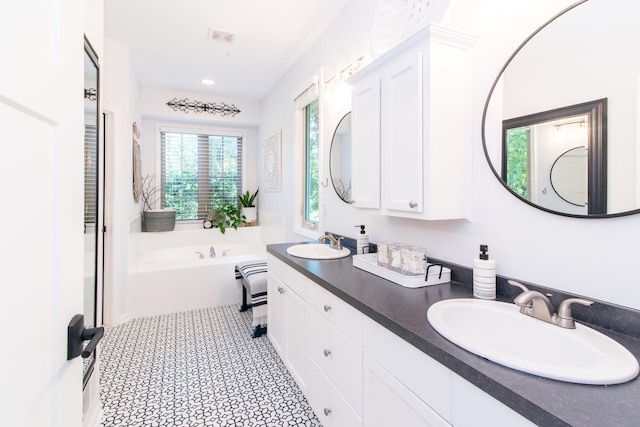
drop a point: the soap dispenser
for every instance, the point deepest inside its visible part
(362, 241)
(484, 275)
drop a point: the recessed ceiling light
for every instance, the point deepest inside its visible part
(208, 81)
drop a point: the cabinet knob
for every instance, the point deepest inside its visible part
(327, 352)
(327, 411)
(327, 307)
(280, 289)
(412, 204)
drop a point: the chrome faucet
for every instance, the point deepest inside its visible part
(212, 252)
(335, 243)
(537, 305)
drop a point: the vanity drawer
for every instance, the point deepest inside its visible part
(345, 318)
(337, 357)
(297, 282)
(329, 405)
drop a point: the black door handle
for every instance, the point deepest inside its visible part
(77, 334)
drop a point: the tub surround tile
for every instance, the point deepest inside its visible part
(404, 312)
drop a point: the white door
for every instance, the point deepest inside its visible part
(41, 204)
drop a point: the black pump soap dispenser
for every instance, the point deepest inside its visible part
(362, 241)
(484, 275)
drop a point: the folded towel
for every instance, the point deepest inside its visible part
(253, 275)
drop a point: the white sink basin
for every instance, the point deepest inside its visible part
(499, 332)
(317, 251)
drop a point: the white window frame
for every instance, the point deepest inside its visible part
(310, 90)
(199, 129)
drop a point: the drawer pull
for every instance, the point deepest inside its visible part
(327, 411)
(280, 289)
(327, 352)
(412, 204)
(327, 307)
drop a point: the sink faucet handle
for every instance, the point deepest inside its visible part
(565, 316)
(518, 285)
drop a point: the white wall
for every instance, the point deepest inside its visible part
(153, 105)
(155, 114)
(587, 257)
(120, 102)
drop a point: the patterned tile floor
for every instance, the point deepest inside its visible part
(197, 368)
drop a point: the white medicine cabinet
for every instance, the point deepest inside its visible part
(411, 126)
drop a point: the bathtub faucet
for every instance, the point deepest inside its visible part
(212, 252)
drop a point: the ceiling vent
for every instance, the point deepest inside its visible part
(220, 35)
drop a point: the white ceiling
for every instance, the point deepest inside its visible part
(169, 45)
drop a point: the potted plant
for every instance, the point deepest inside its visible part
(248, 207)
(226, 216)
(155, 219)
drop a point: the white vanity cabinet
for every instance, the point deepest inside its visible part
(287, 327)
(355, 372)
(411, 128)
(318, 336)
(402, 383)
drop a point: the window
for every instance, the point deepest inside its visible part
(308, 157)
(199, 172)
(90, 173)
(312, 165)
(518, 163)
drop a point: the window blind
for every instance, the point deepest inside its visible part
(90, 173)
(199, 172)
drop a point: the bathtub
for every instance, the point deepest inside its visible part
(167, 279)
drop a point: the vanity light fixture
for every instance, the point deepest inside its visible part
(575, 122)
(208, 82)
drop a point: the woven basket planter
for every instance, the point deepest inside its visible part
(159, 220)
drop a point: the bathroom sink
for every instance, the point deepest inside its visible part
(317, 251)
(499, 332)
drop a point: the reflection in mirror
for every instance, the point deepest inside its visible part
(90, 195)
(573, 58)
(340, 159)
(531, 145)
(569, 176)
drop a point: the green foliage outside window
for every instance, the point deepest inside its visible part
(200, 173)
(312, 166)
(517, 160)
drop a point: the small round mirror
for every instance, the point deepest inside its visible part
(569, 176)
(340, 159)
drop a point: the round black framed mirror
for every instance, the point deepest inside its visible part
(340, 159)
(571, 60)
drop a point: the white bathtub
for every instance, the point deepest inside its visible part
(172, 279)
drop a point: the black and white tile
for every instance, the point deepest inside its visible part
(197, 368)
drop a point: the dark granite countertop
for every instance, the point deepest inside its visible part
(403, 311)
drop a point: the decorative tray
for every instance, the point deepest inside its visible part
(436, 273)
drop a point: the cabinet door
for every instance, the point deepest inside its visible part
(276, 313)
(365, 143)
(296, 332)
(402, 138)
(389, 403)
